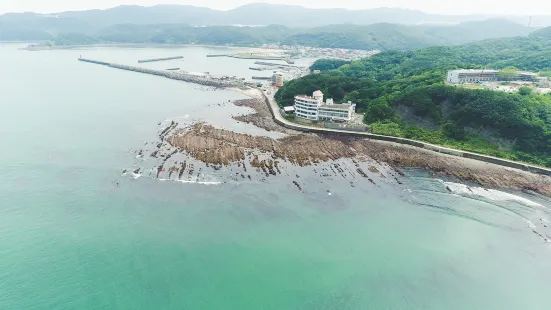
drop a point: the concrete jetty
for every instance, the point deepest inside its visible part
(181, 76)
(94, 61)
(159, 59)
(272, 64)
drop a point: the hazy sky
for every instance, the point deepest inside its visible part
(526, 7)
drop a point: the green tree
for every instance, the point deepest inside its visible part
(508, 73)
(525, 91)
(378, 110)
(454, 131)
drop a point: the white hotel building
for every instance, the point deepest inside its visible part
(484, 75)
(313, 108)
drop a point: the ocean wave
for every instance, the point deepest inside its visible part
(491, 194)
(194, 181)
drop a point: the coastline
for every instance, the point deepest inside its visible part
(270, 102)
(142, 45)
(368, 159)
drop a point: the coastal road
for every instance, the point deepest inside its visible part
(278, 118)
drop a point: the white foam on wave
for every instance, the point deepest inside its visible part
(492, 194)
(530, 224)
(136, 175)
(194, 182)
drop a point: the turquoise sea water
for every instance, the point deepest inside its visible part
(71, 238)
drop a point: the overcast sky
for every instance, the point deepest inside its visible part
(525, 7)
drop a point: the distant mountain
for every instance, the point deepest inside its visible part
(31, 26)
(159, 14)
(382, 28)
(385, 36)
(382, 36)
(257, 14)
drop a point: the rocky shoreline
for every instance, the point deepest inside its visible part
(369, 159)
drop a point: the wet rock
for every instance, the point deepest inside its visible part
(361, 172)
(182, 170)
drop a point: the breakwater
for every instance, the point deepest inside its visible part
(160, 59)
(181, 76)
(264, 63)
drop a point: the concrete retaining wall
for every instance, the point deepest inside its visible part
(423, 145)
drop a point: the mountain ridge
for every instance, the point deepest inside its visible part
(290, 15)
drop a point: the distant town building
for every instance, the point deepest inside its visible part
(277, 79)
(471, 76)
(484, 75)
(336, 112)
(526, 76)
(313, 108)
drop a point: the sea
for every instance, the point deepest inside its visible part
(78, 233)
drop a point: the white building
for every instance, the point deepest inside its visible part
(277, 79)
(471, 76)
(307, 107)
(313, 108)
(336, 112)
(484, 75)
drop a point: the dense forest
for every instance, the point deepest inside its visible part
(380, 36)
(403, 94)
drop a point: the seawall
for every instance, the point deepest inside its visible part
(274, 109)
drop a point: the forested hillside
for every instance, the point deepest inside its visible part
(386, 36)
(403, 94)
(380, 36)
